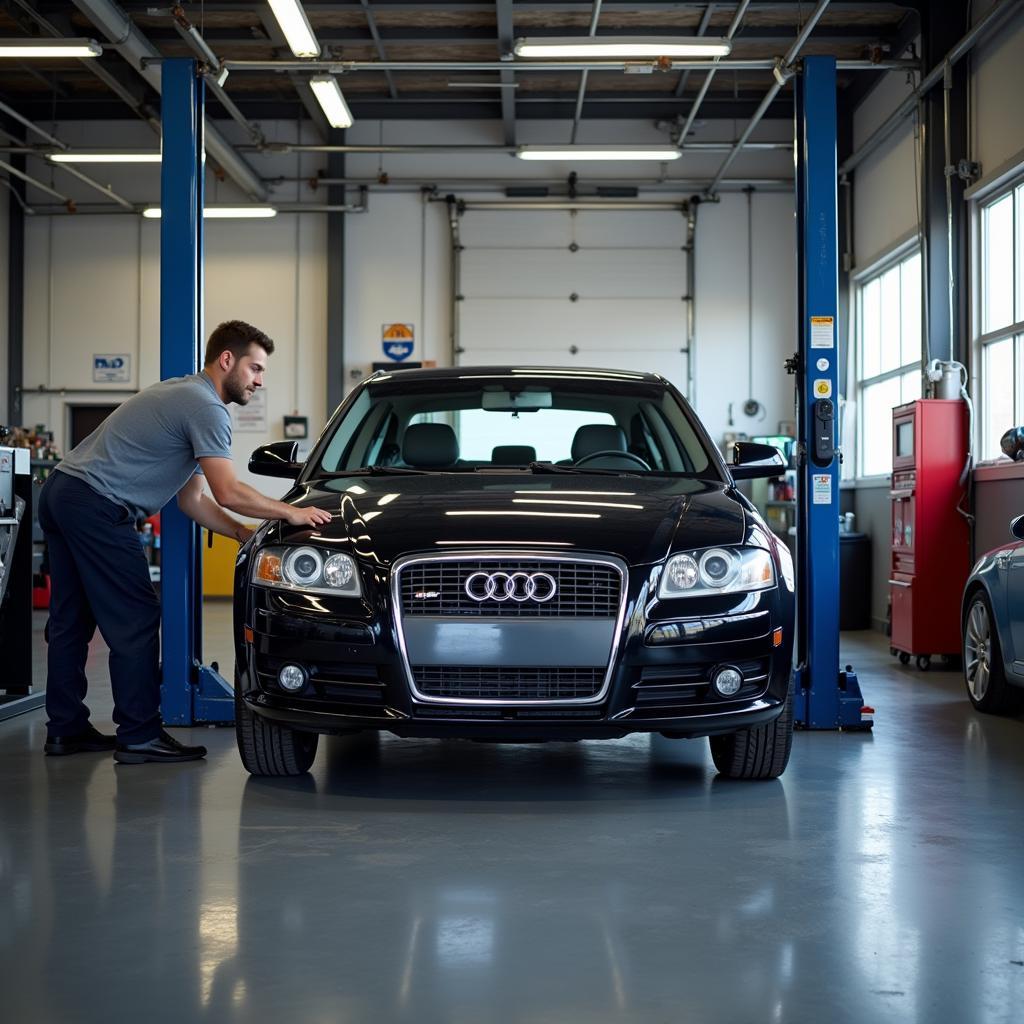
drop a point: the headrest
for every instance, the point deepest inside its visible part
(597, 437)
(429, 445)
(513, 454)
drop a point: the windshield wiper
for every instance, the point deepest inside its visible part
(550, 467)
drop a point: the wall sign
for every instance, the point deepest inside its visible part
(252, 417)
(397, 340)
(112, 369)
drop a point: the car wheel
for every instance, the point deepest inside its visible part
(983, 662)
(267, 748)
(759, 753)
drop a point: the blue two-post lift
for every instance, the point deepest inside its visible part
(192, 693)
(826, 698)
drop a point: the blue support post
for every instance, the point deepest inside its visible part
(190, 693)
(825, 697)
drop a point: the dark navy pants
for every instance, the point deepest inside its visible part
(99, 577)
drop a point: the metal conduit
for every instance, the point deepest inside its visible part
(34, 182)
(25, 122)
(995, 17)
(560, 204)
(341, 67)
(288, 147)
(701, 29)
(594, 16)
(695, 108)
(780, 80)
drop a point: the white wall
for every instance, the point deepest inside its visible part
(997, 85)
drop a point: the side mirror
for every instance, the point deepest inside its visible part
(750, 460)
(277, 459)
(1017, 527)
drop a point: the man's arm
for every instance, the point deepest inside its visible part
(200, 508)
(230, 493)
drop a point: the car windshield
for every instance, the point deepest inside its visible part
(612, 423)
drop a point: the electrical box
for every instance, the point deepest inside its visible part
(930, 545)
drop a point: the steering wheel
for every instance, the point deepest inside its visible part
(612, 453)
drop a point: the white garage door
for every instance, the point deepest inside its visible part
(627, 270)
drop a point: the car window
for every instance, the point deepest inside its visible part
(512, 423)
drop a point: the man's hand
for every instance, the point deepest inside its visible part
(307, 516)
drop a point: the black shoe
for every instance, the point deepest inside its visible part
(91, 740)
(164, 748)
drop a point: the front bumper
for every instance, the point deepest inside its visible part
(658, 679)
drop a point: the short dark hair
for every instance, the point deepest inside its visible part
(235, 336)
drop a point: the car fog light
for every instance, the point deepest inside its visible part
(292, 678)
(727, 682)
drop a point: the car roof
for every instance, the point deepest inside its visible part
(513, 372)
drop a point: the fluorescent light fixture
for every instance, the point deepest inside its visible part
(295, 26)
(222, 212)
(149, 157)
(332, 102)
(598, 153)
(50, 48)
(623, 46)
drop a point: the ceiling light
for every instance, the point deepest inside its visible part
(221, 212)
(598, 153)
(623, 46)
(149, 157)
(295, 26)
(50, 48)
(328, 95)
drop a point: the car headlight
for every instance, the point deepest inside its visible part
(716, 571)
(306, 568)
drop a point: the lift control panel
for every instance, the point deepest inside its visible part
(824, 432)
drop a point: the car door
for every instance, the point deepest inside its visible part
(1015, 606)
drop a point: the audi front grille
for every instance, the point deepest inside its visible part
(509, 628)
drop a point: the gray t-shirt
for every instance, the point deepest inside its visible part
(145, 451)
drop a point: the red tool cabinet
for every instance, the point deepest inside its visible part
(930, 553)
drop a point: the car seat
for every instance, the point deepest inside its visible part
(513, 455)
(430, 446)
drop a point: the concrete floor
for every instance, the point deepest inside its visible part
(882, 879)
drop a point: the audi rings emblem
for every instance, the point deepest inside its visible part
(511, 586)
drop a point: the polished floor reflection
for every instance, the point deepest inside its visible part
(882, 879)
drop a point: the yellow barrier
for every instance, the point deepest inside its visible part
(219, 566)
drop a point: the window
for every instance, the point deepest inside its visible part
(888, 356)
(999, 349)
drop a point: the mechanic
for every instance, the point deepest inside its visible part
(159, 443)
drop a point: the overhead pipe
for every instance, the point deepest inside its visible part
(476, 148)
(92, 183)
(734, 26)
(112, 83)
(781, 72)
(989, 23)
(562, 204)
(36, 183)
(595, 14)
(342, 67)
(701, 29)
(25, 122)
(143, 56)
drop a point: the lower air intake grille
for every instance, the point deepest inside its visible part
(471, 683)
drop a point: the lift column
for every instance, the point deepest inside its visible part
(190, 692)
(825, 697)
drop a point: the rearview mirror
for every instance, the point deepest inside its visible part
(277, 459)
(750, 460)
(1017, 527)
(519, 401)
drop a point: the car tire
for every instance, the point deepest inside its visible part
(758, 753)
(269, 749)
(984, 675)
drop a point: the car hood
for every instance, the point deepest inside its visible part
(641, 519)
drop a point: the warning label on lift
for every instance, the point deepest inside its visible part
(823, 333)
(821, 488)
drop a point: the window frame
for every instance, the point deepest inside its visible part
(1014, 331)
(893, 258)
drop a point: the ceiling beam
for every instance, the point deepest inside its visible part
(503, 10)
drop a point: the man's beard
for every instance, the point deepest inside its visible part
(236, 390)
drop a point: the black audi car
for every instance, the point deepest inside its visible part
(517, 555)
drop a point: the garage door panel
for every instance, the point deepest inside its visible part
(669, 364)
(603, 325)
(515, 229)
(637, 273)
(640, 228)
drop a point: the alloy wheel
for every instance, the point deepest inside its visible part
(977, 650)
